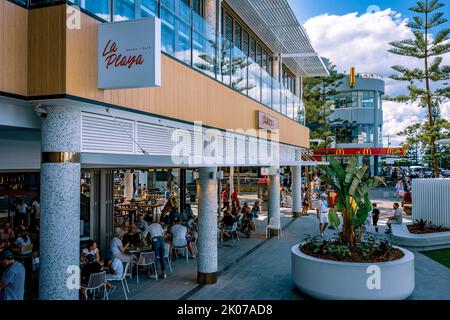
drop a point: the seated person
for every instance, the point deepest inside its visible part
(22, 241)
(397, 218)
(174, 214)
(90, 267)
(235, 208)
(118, 250)
(6, 234)
(142, 226)
(187, 213)
(256, 209)
(227, 223)
(179, 236)
(132, 237)
(91, 248)
(115, 272)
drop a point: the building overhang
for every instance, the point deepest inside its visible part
(276, 25)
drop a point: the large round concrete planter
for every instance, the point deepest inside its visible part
(326, 279)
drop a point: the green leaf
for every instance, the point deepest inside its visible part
(334, 219)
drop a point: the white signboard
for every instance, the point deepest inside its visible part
(129, 54)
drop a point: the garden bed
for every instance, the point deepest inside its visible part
(353, 254)
(424, 227)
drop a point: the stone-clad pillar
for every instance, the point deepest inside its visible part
(207, 225)
(296, 190)
(60, 202)
(128, 185)
(274, 197)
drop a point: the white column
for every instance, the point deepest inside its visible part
(231, 182)
(296, 190)
(274, 195)
(207, 224)
(129, 184)
(60, 203)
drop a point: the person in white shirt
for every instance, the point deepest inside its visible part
(179, 236)
(91, 248)
(156, 234)
(118, 250)
(322, 213)
(22, 210)
(397, 218)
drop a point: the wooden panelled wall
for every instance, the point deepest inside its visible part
(13, 48)
(65, 61)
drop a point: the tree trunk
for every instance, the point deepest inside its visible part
(429, 102)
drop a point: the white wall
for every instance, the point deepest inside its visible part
(431, 200)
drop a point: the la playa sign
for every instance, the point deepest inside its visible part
(129, 54)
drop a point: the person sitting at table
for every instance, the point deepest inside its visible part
(118, 250)
(142, 225)
(179, 236)
(91, 266)
(256, 209)
(235, 208)
(6, 234)
(23, 240)
(156, 234)
(187, 213)
(174, 214)
(115, 271)
(227, 223)
(91, 248)
(132, 237)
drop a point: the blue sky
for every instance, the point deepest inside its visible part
(306, 9)
(350, 35)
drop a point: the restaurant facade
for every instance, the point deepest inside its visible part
(91, 90)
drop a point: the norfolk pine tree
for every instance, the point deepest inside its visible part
(430, 50)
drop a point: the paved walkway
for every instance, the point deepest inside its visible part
(260, 269)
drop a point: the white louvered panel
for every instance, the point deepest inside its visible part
(155, 139)
(264, 152)
(182, 140)
(252, 151)
(275, 153)
(197, 147)
(431, 200)
(102, 134)
(241, 149)
(220, 147)
(230, 155)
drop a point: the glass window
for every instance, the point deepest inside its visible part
(253, 49)
(228, 27)
(238, 35)
(100, 8)
(124, 10)
(368, 99)
(258, 55)
(197, 7)
(245, 43)
(149, 8)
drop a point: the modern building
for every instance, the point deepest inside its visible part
(357, 120)
(189, 85)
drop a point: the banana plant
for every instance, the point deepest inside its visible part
(352, 195)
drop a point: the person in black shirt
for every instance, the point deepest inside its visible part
(132, 236)
(375, 216)
(89, 268)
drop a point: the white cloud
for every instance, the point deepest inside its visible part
(362, 41)
(397, 116)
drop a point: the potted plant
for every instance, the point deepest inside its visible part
(353, 265)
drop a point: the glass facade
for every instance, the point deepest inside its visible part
(235, 59)
(354, 133)
(356, 99)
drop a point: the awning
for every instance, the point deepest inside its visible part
(276, 24)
